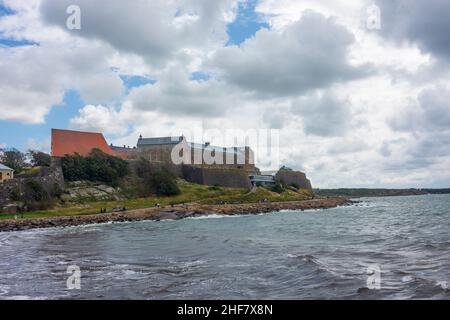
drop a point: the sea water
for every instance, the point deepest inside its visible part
(382, 248)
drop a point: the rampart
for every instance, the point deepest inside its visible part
(231, 178)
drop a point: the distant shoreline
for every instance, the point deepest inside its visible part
(368, 193)
(172, 213)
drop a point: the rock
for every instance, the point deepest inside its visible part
(363, 290)
(107, 189)
(167, 216)
(10, 209)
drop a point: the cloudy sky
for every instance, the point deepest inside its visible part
(357, 103)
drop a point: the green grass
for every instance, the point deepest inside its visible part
(29, 171)
(189, 193)
(260, 195)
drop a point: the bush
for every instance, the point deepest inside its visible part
(295, 185)
(278, 188)
(15, 195)
(35, 196)
(40, 159)
(155, 180)
(56, 191)
(164, 183)
(97, 167)
(215, 187)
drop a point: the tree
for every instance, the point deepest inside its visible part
(36, 196)
(40, 159)
(97, 167)
(155, 180)
(164, 183)
(14, 159)
(278, 187)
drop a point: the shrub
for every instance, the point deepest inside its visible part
(164, 183)
(73, 168)
(35, 196)
(295, 185)
(40, 159)
(215, 187)
(97, 167)
(56, 191)
(278, 188)
(15, 194)
(155, 180)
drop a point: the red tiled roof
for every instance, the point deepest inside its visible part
(67, 142)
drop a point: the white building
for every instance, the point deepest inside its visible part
(5, 173)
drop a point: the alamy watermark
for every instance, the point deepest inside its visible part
(73, 21)
(373, 21)
(229, 147)
(74, 280)
(374, 278)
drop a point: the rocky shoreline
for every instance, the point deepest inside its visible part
(172, 213)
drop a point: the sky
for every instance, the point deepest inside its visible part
(358, 90)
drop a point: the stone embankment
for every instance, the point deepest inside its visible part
(171, 213)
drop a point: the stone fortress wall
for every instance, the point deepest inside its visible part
(47, 177)
(230, 178)
(195, 157)
(231, 169)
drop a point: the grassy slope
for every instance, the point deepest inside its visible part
(189, 193)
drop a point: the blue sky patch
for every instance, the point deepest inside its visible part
(16, 134)
(5, 11)
(200, 76)
(246, 24)
(135, 81)
(15, 43)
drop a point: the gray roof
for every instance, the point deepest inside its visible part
(3, 167)
(159, 141)
(231, 150)
(177, 140)
(269, 173)
(117, 148)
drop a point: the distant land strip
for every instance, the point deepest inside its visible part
(360, 193)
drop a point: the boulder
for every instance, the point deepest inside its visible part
(167, 216)
(12, 208)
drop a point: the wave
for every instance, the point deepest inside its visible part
(25, 298)
(4, 289)
(216, 216)
(316, 263)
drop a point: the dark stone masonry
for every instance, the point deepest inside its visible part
(48, 177)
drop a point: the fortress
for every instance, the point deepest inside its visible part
(194, 162)
(178, 151)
